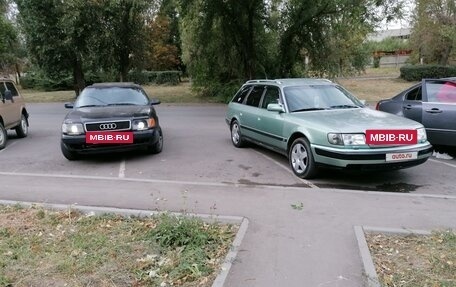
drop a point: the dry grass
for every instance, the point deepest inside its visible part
(181, 93)
(410, 261)
(65, 248)
(374, 90)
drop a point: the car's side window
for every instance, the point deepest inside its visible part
(446, 93)
(271, 96)
(2, 90)
(414, 95)
(254, 97)
(240, 96)
(12, 88)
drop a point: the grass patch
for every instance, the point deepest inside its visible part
(181, 93)
(65, 248)
(414, 260)
(375, 90)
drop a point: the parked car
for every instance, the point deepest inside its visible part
(431, 102)
(317, 123)
(13, 113)
(111, 117)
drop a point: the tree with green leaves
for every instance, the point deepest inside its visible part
(434, 31)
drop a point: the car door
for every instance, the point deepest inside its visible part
(412, 104)
(249, 115)
(15, 102)
(271, 122)
(439, 111)
(6, 107)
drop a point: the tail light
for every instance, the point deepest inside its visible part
(377, 106)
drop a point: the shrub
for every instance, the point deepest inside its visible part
(419, 72)
(155, 77)
(38, 80)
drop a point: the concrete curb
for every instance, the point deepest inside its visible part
(229, 258)
(366, 257)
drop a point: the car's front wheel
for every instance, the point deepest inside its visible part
(3, 136)
(301, 159)
(158, 146)
(68, 154)
(236, 137)
(22, 128)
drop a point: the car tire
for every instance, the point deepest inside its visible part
(22, 128)
(158, 146)
(236, 136)
(69, 155)
(301, 159)
(3, 136)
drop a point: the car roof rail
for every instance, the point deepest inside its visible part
(262, 81)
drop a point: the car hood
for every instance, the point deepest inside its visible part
(96, 113)
(353, 120)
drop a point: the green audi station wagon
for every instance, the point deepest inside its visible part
(317, 123)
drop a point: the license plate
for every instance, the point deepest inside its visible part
(391, 137)
(401, 156)
(109, 137)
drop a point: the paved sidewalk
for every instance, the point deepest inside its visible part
(284, 246)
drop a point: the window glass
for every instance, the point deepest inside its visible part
(319, 97)
(240, 96)
(2, 89)
(255, 96)
(441, 92)
(271, 96)
(414, 95)
(111, 96)
(10, 86)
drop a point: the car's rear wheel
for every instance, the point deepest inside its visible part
(301, 159)
(236, 136)
(22, 128)
(158, 146)
(3, 136)
(68, 154)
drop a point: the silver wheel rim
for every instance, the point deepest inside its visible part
(235, 133)
(24, 125)
(2, 137)
(299, 158)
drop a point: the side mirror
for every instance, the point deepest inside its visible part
(276, 108)
(69, 105)
(153, 102)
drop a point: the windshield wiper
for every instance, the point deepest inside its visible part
(122, 104)
(308, 109)
(344, 107)
(90, 106)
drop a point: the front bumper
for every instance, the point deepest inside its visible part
(374, 158)
(141, 139)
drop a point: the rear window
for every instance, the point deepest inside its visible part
(255, 96)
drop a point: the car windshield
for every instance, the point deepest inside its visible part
(319, 97)
(111, 96)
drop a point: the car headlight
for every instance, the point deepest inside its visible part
(72, 129)
(143, 124)
(346, 139)
(422, 136)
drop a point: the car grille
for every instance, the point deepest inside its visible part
(108, 126)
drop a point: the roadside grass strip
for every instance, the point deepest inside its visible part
(73, 246)
(408, 258)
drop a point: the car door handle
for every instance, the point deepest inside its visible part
(434, 111)
(407, 107)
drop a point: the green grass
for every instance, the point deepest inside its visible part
(65, 248)
(410, 261)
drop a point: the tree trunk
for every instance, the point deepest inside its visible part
(78, 77)
(445, 55)
(18, 73)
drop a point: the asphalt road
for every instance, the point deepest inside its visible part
(200, 171)
(197, 148)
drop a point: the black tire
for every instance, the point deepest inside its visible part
(236, 135)
(22, 128)
(69, 155)
(301, 159)
(3, 136)
(158, 146)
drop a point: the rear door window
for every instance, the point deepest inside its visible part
(255, 96)
(414, 95)
(10, 86)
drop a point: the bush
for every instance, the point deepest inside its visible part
(155, 77)
(419, 72)
(223, 92)
(39, 81)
